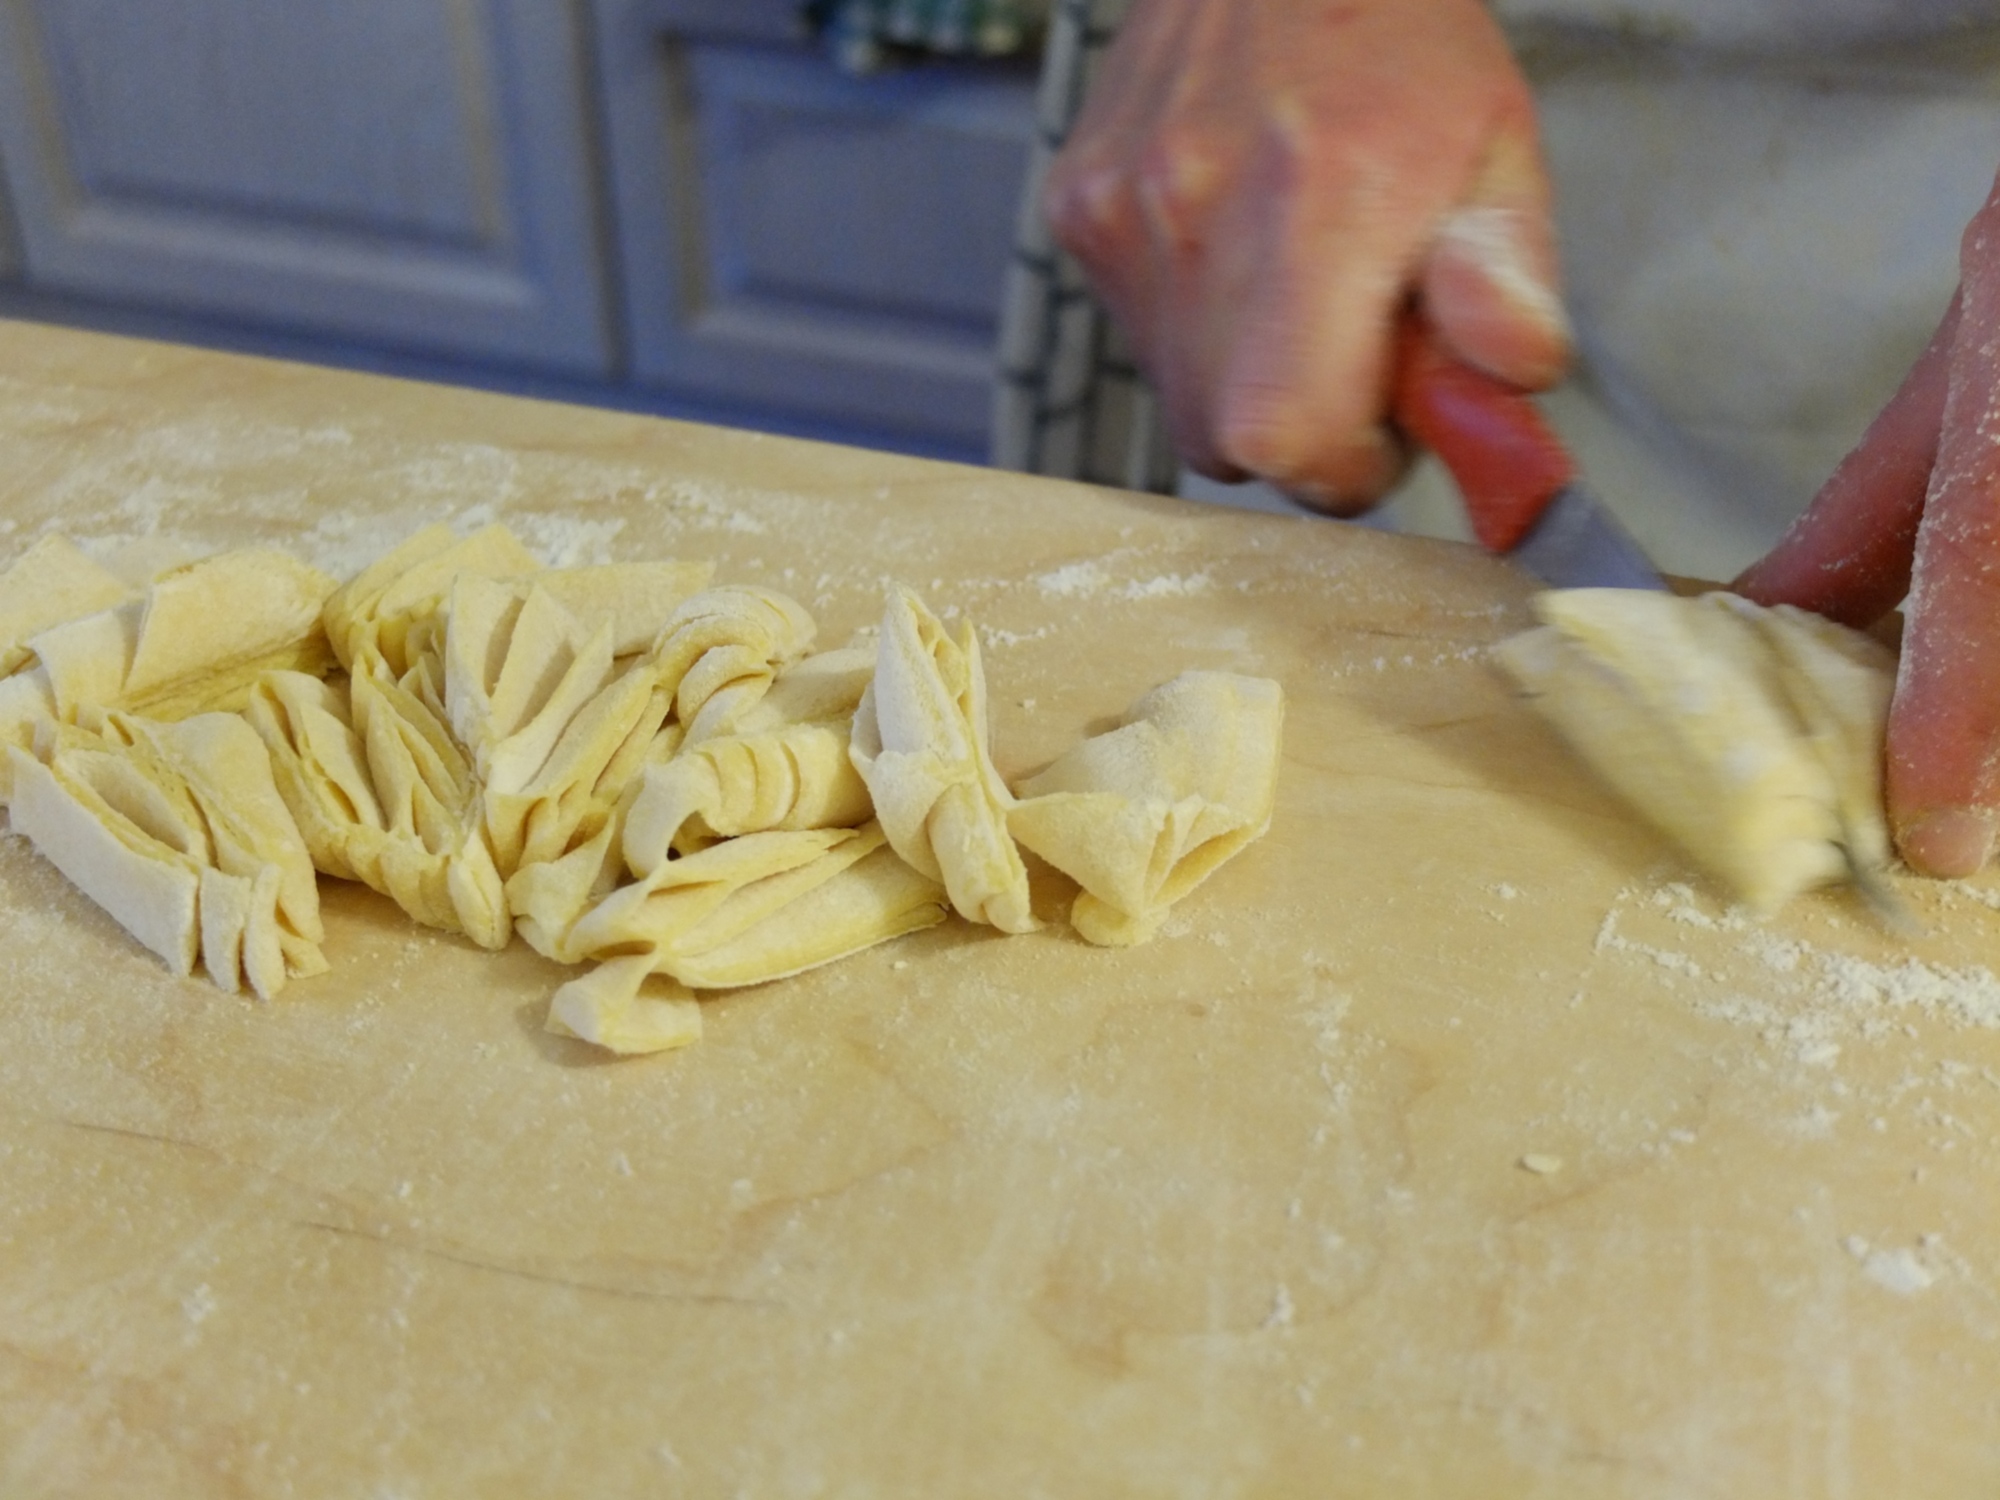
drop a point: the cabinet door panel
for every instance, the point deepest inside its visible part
(412, 171)
(831, 246)
(870, 200)
(10, 251)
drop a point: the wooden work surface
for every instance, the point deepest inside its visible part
(1454, 1140)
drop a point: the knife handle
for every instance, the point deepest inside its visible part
(1507, 460)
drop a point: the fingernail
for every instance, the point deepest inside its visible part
(1948, 843)
(1496, 241)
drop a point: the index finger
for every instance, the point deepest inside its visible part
(1943, 763)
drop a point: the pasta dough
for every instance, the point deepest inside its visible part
(1141, 816)
(402, 830)
(720, 651)
(635, 769)
(178, 831)
(399, 593)
(51, 582)
(751, 909)
(1752, 737)
(171, 652)
(920, 743)
(787, 768)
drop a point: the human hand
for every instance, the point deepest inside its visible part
(1257, 189)
(1916, 508)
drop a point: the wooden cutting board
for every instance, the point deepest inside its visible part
(1455, 1140)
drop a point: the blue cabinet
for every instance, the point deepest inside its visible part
(413, 172)
(794, 236)
(665, 203)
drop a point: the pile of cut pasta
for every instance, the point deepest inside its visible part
(633, 768)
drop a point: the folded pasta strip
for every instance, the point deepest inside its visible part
(383, 796)
(53, 581)
(760, 907)
(634, 769)
(721, 650)
(1751, 737)
(787, 767)
(171, 652)
(921, 745)
(178, 831)
(1142, 815)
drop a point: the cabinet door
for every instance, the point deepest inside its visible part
(795, 238)
(412, 172)
(10, 254)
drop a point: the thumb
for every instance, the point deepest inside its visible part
(1490, 281)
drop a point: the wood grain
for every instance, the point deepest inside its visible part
(1241, 1212)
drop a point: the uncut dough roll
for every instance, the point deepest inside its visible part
(1751, 737)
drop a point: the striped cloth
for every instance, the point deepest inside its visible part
(867, 35)
(1070, 401)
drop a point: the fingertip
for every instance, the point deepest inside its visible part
(1306, 433)
(1355, 480)
(1948, 843)
(1206, 464)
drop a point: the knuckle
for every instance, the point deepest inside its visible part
(1085, 202)
(1177, 176)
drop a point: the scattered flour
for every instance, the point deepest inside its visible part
(1814, 1008)
(1167, 586)
(1677, 900)
(992, 638)
(1987, 896)
(1082, 580)
(198, 1304)
(1283, 1311)
(1970, 996)
(1077, 580)
(1846, 988)
(1609, 937)
(1901, 1270)
(567, 541)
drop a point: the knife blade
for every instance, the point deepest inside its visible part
(1518, 481)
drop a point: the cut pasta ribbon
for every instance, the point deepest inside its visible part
(1751, 737)
(920, 743)
(1141, 816)
(633, 768)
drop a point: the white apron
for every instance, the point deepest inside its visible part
(1759, 204)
